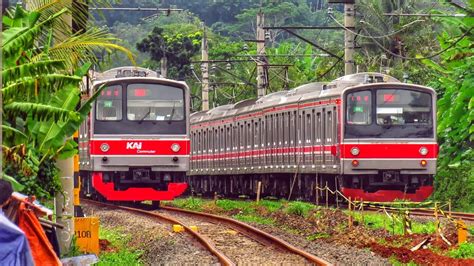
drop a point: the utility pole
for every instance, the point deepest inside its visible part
(205, 71)
(164, 66)
(261, 63)
(349, 22)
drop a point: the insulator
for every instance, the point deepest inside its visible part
(213, 67)
(246, 47)
(191, 67)
(228, 66)
(330, 11)
(267, 35)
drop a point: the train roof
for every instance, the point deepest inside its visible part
(300, 93)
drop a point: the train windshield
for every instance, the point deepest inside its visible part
(154, 102)
(109, 104)
(389, 113)
(403, 107)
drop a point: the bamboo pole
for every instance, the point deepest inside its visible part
(327, 196)
(259, 186)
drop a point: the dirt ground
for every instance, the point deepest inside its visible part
(159, 244)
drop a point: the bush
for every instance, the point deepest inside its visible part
(299, 208)
(465, 250)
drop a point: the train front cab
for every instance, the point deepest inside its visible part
(139, 143)
(388, 148)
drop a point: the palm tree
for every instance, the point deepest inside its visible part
(42, 70)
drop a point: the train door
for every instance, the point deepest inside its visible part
(268, 148)
(275, 140)
(329, 137)
(286, 138)
(242, 134)
(262, 143)
(293, 130)
(256, 144)
(320, 153)
(308, 138)
(228, 147)
(235, 143)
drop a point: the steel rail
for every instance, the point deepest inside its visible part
(247, 229)
(207, 244)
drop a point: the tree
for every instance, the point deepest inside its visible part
(177, 49)
(40, 90)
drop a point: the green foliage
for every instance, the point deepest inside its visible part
(42, 67)
(465, 250)
(455, 87)
(318, 236)
(190, 203)
(393, 260)
(125, 255)
(299, 208)
(395, 225)
(177, 49)
(252, 218)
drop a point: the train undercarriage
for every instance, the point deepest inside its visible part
(304, 186)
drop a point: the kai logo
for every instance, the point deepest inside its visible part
(134, 145)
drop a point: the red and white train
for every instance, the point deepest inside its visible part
(134, 146)
(367, 134)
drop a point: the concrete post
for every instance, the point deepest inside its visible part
(261, 79)
(205, 71)
(349, 22)
(64, 204)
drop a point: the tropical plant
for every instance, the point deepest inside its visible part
(455, 87)
(41, 73)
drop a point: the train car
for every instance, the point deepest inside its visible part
(369, 135)
(134, 146)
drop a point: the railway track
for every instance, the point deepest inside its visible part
(231, 241)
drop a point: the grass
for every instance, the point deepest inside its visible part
(299, 208)
(254, 219)
(393, 260)
(190, 203)
(318, 236)
(465, 250)
(123, 255)
(379, 221)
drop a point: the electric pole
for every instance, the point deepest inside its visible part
(205, 71)
(349, 22)
(261, 62)
(164, 66)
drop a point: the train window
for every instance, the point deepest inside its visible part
(329, 124)
(154, 102)
(109, 104)
(401, 107)
(359, 108)
(308, 128)
(257, 135)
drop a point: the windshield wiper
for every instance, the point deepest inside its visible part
(143, 118)
(172, 113)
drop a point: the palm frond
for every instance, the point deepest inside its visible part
(14, 130)
(40, 111)
(45, 84)
(24, 38)
(31, 69)
(85, 46)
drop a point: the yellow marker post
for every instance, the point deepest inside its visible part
(87, 234)
(462, 231)
(178, 228)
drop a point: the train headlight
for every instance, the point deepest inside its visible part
(355, 151)
(423, 151)
(104, 147)
(175, 147)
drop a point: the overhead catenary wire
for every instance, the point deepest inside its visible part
(404, 27)
(420, 58)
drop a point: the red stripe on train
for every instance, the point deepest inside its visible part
(392, 150)
(139, 147)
